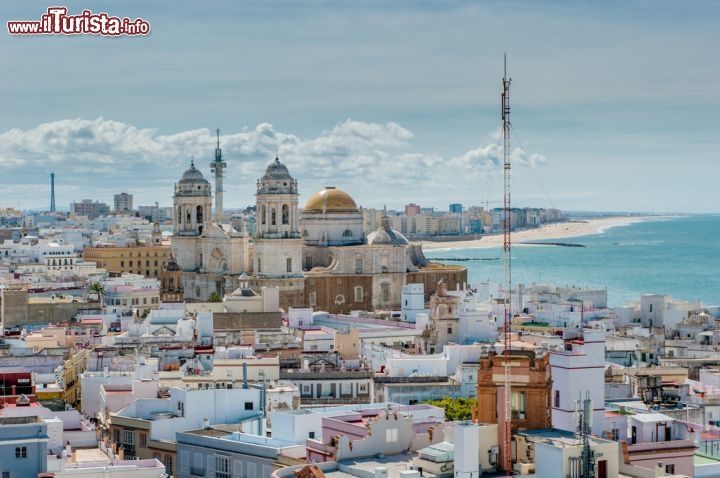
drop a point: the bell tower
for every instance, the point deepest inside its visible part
(277, 204)
(277, 257)
(192, 203)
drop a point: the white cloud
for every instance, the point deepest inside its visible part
(98, 158)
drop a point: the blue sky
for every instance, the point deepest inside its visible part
(615, 105)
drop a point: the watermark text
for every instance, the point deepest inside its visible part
(57, 22)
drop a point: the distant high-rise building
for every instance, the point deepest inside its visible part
(123, 203)
(456, 208)
(412, 209)
(88, 208)
(155, 213)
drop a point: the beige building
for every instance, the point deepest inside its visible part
(145, 260)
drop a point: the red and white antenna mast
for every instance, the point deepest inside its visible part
(507, 286)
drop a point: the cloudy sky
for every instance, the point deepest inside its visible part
(615, 105)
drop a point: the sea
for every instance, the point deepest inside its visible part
(677, 256)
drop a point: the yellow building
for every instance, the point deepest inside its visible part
(72, 368)
(143, 260)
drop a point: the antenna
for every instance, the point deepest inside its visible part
(217, 167)
(583, 416)
(507, 300)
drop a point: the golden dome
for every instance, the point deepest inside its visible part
(331, 199)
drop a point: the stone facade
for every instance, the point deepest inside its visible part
(530, 386)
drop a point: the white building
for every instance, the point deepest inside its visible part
(577, 369)
(560, 455)
(109, 469)
(131, 291)
(412, 302)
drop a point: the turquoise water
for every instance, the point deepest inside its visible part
(675, 256)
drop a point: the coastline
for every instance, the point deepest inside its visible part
(549, 232)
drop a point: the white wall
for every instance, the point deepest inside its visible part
(300, 316)
(295, 426)
(436, 366)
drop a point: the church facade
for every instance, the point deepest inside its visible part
(210, 255)
(317, 256)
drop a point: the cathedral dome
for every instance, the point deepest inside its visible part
(192, 174)
(330, 199)
(386, 236)
(277, 170)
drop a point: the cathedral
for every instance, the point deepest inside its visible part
(317, 256)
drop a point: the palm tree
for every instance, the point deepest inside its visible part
(97, 289)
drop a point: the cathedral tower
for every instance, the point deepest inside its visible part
(192, 203)
(278, 246)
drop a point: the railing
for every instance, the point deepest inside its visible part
(424, 379)
(709, 448)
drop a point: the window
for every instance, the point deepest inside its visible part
(128, 437)
(248, 405)
(259, 268)
(670, 469)
(358, 294)
(557, 399)
(312, 299)
(347, 233)
(143, 440)
(449, 329)
(223, 467)
(168, 462)
(20, 452)
(285, 214)
(385, 292)
(358, 265)
(518, 405)
(391, 435)
(311, 435)
(272, 217)
(198, 467)
(308, 263)
(362, 388)
(288, 264)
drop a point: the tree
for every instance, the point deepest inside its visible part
(97, 289)
(456, 409)
(214, 297)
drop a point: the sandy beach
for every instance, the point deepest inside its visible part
(549, 232)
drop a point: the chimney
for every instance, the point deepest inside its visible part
(52, 192)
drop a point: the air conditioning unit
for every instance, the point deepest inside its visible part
(524, 468)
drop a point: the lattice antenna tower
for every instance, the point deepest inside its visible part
(507, 285)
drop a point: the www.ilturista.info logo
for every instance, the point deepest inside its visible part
(57, 22)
